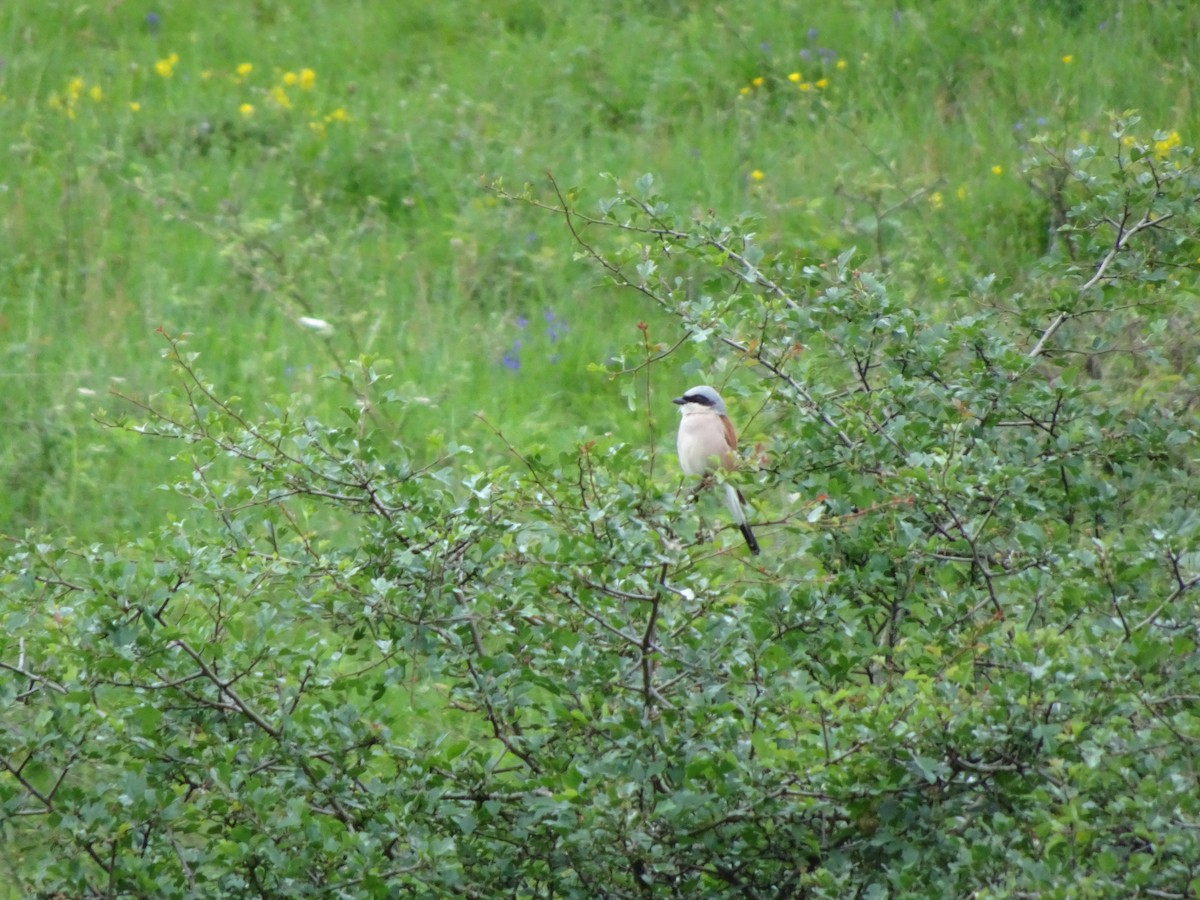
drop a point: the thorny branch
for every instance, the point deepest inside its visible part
(1124, 235)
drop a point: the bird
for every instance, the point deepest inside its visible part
(707, 440)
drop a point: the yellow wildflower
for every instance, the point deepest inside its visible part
(279, 95)
(289, 78)
(1163, 147)
(961, 193)
(997, 170)
(841, 64)
(757, 175)
(308, 78)
(758, 82)
(165, 68)
(135, 106)
(339, 115)
(247, 110)
(935, 199)
(795, 76)
(96, 93)
(317, 128)
(1068, 59)
(805, 86)
(744, 91)
(822, 83)
(245, 69)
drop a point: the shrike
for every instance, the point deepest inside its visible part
(707, 440)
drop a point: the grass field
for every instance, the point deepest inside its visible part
(233, 172)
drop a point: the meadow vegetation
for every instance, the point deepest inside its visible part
(344, 551)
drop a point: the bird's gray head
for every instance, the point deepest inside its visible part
(704, 396)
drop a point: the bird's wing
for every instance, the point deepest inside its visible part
(730, 440)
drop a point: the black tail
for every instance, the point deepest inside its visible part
(749, 536)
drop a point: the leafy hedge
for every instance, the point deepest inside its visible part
(966, 662)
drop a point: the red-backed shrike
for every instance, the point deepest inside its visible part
(707, 441)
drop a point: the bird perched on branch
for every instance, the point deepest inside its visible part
(707, 441)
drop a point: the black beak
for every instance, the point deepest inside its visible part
(679, 400)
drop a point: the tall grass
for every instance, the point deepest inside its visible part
(178, 167)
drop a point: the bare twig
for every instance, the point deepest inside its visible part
(1123, 237)
(38, 679)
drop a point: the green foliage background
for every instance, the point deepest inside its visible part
(383, 297)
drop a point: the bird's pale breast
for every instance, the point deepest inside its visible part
(702, 444)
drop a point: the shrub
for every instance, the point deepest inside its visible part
(964, 664)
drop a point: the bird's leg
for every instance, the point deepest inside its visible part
(698, 488)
